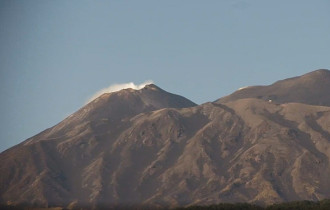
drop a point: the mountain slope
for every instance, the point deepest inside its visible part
(149, 147)
(53, 153)
(113, 109)
(312, 88)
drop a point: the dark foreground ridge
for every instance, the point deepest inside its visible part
(296, 205)
(160, 150)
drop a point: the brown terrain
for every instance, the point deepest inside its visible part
(263, 144)
(312, 88)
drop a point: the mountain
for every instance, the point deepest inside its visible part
(312, 88)
(150, 147)
(45, 169)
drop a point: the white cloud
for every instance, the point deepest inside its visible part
(117, 87)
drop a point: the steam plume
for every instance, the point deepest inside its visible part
(117, 87)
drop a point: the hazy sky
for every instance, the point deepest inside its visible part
(54, 55)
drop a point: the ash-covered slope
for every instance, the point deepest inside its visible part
(246, 150)
(312, 88)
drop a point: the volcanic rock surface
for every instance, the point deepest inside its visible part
(150, 147)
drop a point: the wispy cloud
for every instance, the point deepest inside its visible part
(117, 87)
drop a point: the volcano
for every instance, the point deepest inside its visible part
(148, 147)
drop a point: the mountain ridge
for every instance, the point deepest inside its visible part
(313, 85)
(150, 147)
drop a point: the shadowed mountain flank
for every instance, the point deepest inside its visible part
(151, 148)
(312, 88)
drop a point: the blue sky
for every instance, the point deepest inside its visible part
(54, 55)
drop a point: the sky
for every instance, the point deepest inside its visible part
(55, 55)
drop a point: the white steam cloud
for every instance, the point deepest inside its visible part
(117, 87)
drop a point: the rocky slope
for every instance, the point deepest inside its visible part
(154, 148)
(312, 88)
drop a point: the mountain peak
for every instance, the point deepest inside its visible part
(318, 74)
(151, 87)
(148, 87)
(120, 105)
(311, 88)
(320, 71)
